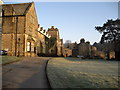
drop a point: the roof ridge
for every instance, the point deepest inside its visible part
(21, 10)
(18, 3)
(28, 8)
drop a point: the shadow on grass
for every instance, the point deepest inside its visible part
(79, 59)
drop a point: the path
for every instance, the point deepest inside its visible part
(28, 73)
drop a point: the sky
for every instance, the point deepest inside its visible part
(76, 20)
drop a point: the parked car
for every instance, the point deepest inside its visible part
(3, 52)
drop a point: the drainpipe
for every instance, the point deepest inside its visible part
(18, 47)
(16, 36)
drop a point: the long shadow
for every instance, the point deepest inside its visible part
(38, 80)
(79, 59)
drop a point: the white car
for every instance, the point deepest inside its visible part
(80, 56)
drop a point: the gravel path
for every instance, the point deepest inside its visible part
(28, 73)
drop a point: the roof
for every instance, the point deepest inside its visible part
(16, 9)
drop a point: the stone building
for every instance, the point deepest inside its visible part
(93, 51)
(23, 36)
(43, 42)
(61, 47)
(67, 52)
(89, 51)
(75, 50)
(19, 29)
(84, 48)
(1, 2)
(73, 46)
(56, 44)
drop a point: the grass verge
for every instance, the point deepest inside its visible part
(71, 73)
(9, 59)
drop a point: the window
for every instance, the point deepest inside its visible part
(28, 46)
(32, 47)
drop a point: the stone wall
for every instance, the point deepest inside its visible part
(56, 48)
(31, 31)
(84, 49)
(67, 52)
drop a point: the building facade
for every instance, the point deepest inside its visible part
(19, 29)
(43, 42)
(84, 48)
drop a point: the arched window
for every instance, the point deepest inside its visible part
(28, 46)
(32, 47)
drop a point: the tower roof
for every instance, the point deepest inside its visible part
(52, 29)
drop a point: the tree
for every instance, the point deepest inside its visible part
(111, 35)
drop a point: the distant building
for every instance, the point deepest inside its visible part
(74, 49)
(67, 52)
(84, 48)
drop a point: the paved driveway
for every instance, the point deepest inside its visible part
(28, 73)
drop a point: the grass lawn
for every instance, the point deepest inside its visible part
(9, 59)
(77, 73)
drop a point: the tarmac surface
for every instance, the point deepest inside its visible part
(27, 73)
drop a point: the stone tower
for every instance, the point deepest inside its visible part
(55, 42)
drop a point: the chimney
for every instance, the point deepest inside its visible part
(41, 28)
(56, 28)
(52, 27)
(44, 31)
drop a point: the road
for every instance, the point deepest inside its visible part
(28, 73)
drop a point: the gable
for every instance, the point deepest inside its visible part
(15, 9)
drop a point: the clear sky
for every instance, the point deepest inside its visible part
(76, 20)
